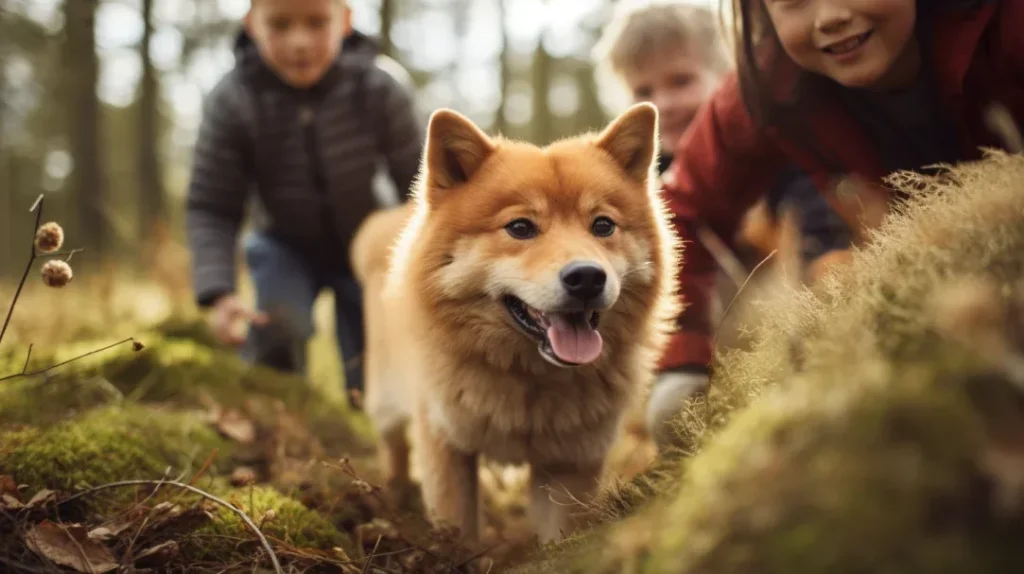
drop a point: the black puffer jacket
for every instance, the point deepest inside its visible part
(309, 157)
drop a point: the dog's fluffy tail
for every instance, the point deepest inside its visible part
(371, 247)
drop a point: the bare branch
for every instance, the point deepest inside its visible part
(38, 208)
(62, 363)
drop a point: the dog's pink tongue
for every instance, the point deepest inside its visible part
(573, 342)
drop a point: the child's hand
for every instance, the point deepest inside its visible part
(226, 313)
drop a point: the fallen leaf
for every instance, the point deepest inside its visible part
(177, 519)
(243, 476)
(118, 526)
(158, 555)
(367, 533)
(101, 534)
(9, 502)
(42, 498)
(235, 426)
(69, 546)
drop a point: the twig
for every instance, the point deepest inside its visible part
(478, 554)
(38, 208)
(725, 315)
(373, 554)
(28, 357)
(70, 254)
(62, 363)
(205, 467)
(241, 515)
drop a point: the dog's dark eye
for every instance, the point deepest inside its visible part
(602, 227)
(521, 229)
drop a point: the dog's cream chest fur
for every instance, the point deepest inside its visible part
(509, 420)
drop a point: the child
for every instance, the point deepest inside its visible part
(671, 54)
(303, 120)
(843, 88)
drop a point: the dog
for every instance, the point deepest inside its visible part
(516, 307)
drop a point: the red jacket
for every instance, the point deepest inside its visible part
(724, 161)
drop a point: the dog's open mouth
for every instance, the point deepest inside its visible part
(567, 339)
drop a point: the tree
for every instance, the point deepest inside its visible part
(387, 20)
(81, 75)
(151, 191)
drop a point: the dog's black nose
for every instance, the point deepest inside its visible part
(583, 281)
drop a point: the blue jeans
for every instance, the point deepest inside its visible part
(286, 288)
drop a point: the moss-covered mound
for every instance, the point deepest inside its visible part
(178, 408)
(179, 369)
(107, 445)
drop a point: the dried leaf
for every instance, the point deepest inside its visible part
(101, 534)
(158, 555)
(367, 533)
(9, 502)
(179, 520)
(119, 525)
(243, 476)
(42, 498)
(69, 546)
(235, 426)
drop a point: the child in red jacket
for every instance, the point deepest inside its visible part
(850, 89)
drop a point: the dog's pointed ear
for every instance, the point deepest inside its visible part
(456, 148)
(632, 140)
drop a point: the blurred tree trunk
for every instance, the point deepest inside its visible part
(81, 68)
(387, 20)
(542, 121)
(501, 117)
(591, 115)
(7, 190)
(151, 192)
(460, 25)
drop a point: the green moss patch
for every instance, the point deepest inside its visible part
(107, 445)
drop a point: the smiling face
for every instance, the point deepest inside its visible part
(554, 249)
(677, 81)
(858, 43)
(298, 39)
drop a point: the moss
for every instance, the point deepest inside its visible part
(177, 371)
(884, 470)
(118, 443)
(193, 329)
(39, 402)
(290, 522)
(577, 554)
(106, 445)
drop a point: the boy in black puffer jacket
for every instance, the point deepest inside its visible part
(302, 122)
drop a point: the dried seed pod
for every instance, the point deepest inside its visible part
(49, 237)
(56, 273)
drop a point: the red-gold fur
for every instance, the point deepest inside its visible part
(443, 352)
